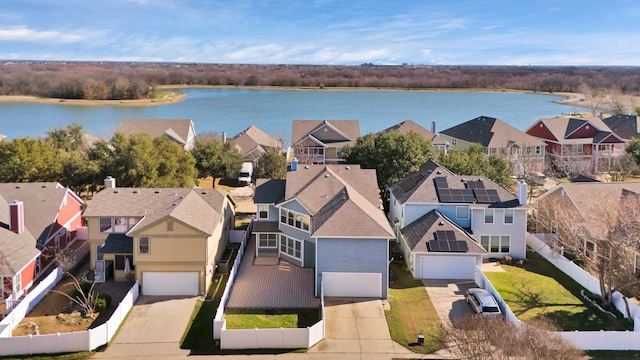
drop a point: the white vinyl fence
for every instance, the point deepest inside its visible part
(73, 341)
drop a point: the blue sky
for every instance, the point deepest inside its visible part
(444, 32)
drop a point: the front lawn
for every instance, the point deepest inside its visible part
(537, 289)
(412, 312)
(272, 319)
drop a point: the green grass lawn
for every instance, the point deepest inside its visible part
(412, 312)
(272, 319)
(538, 289)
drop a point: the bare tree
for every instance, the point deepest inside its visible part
(601, 230)
(84, 296)
(480, 337)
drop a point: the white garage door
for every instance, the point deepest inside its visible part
(342, 284)
(447, 267)
(169, 283)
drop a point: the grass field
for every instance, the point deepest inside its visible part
(272, 319)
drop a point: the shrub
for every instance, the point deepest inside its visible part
(102, 302)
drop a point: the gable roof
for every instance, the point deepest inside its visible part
(198, 208)
(253, 139)
(625, 126)
(421, 231)
(563, 128)
(179, 130)
(491, 133)
(269, 191)
(346, 130)
(41, 202)
(343, 201)
(410, 125)
(419, 187)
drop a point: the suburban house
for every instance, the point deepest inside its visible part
(169, 238)
(625, 126)
(38, 221)
(253, 142)
(465, 208)
(321, 141)
(585, 205)
(524, 152)
(181, 131)
(576, 144)
(330, 218)
(409, 125)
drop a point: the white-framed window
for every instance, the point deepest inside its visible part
(488, 216)
(590, 249)
(508, 216)
(119, 225)
(538, 150)
(144, 247)
(266, 240)
(576, 148)
(263, 211)
(105, 224)
(291, 246)
(604, 147)
(462, 212)
(17, 284)
(499, 244)
(295, 219)
(454, 141)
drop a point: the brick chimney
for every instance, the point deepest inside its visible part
(16, 216)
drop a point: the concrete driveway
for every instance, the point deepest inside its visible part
(448, 297)
(356, 325)
(154, 327)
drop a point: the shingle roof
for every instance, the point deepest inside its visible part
(301, 128)
(419, 187)
(117, 244)
(269, 191)
(343, 200)
(491, 133)
(421, 231)
(199, 208)
(625, 126)
(41, 204)
(563, 126)
(410, 125)
(252, 139)
(177, 129)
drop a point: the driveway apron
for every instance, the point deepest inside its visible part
(154, 326)
(447, 297)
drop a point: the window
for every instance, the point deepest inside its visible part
(604, 147)
(590, 249)
(169, 225)
(295, 219)
(538, 150)
(268, 240)
(462, 212)
(496, 243)
(291, 246)
(143, 245)
(488, 216)
(454, 141)
(17, 285)
(263, 211)
(508, 216)
(105, 225)
(121, 225)
(120, 261)
(38, 266)
(576, 148)
(554, 227)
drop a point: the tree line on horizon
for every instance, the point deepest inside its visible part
(124, 81)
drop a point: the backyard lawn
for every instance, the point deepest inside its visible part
(272, 319)
(537, 289)
(412, 313)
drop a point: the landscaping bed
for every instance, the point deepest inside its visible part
(537, 289)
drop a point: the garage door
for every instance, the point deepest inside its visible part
(342, 284)
(169, 283)
(447, 267)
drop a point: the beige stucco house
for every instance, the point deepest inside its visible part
(169, 239)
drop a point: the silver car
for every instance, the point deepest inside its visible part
(483, 302)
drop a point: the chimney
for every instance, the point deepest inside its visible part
(16, 216)
(110, 182)
(522, 192)
(224, 137)
(433, 127)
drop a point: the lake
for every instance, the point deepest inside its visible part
(232, 110)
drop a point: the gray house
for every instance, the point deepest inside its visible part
(493, 217)
(330, 218)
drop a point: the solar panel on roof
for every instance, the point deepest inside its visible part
(445, 235)
(458, 246)
(441, 182)
(407, 184)
(486, 196)
(447, 246)
(475, 184)
(445, 195)
(456, 195)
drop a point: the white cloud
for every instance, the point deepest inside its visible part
(22, 33)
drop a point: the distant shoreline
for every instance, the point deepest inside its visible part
(571, 99)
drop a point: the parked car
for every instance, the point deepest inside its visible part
(483, 302)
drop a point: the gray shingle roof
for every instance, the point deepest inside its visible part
(254, 139)
(410, 125)
(269, 191)
(301, 128)
(177, 129)
(625, 126)
(421, 231)
(491, 133)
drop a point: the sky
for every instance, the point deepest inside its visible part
(324, 32)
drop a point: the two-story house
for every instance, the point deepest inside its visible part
(524, 152)
(472, 207)
(252, 143)
(330, 218)
(182, 131)
(439, 144)
(321, 141)
(37, 221)
(626, 127)
(170, 239)
(576, 144)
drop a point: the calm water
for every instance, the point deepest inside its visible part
(232, 110)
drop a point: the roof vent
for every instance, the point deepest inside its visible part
(157, 192)
(135, 191)
(306, 166)
(463, 180)
(438, 172)
(17, 186)
(326, 175)
(441, 223)
(115, 191)
(347, 167)
(204, 193)
(44, 186)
